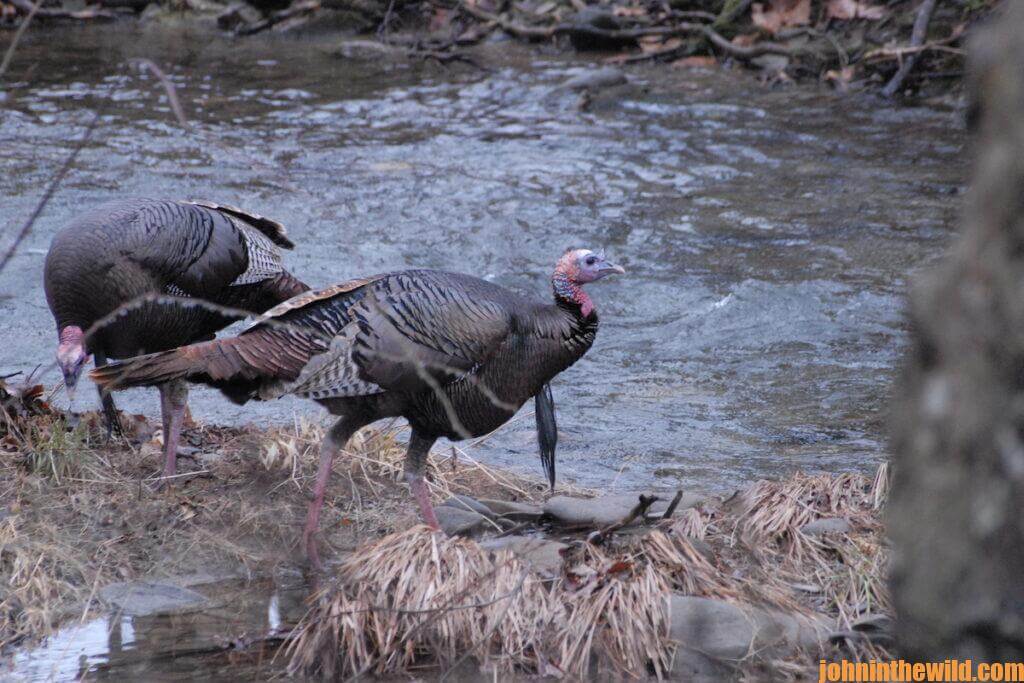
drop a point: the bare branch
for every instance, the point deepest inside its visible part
(17, 37)
(917, 36)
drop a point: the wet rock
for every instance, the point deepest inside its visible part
(238, 14)
(366, 50)
(607, 510)
(144, 598)
(543, 555)
(827, 525)
(589, 30)
(468, 504)
(595, 79)
(714, 634)
(589, 511)
(456, 522)
(518, 512)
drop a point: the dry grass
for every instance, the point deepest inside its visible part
(77, 513)
(413, 600)
(416, 598)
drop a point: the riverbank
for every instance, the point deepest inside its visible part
(767, 580)
(902, 48)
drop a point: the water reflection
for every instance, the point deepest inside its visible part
(193, 645)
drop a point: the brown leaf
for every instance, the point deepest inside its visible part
(778, 14)
(696, 62)
(440, 20)
(649, 44)
(619, 567)
(853, 9)
(629, 12)
(744, 40)
(840, 78)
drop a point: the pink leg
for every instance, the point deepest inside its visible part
(332, 443)
(173, 401)
(415, 465)
(422, 495)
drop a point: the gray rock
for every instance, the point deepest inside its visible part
(827, 525)
(144, 598)
(456, 522)
(607, 510)
(595, 79)
(238, 14)
(468, 503)
(589, 511)
(519, 512)
(725, 633)
(543, 555)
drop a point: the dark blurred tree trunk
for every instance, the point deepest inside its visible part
(956, 516)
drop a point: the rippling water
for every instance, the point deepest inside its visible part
(768, 234)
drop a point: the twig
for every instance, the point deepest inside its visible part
(93, 13)
(17, 37)
(673, 505)
(638, 510)
(924, 16)
(172, 92)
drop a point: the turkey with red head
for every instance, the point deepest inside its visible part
(455, 355)
(126, 249)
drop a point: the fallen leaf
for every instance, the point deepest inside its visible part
(744, 40)
(778, 14)
(840, 78)
(629, 12)
(696, 62)
(853, 9)
(440, 20)
(619, 567)
(649, 44)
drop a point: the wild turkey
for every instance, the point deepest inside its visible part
(128, 248)
(455, 355)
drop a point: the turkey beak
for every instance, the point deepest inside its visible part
(71, 382)
(607, 268)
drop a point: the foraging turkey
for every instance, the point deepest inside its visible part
(453, 354)
(125, 249)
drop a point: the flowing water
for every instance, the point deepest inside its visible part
(768, 234)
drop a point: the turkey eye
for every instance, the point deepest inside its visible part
(591, 260)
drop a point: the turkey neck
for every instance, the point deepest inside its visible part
(575, 307)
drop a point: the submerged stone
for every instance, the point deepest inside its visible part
(144, 598)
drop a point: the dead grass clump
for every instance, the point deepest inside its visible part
(416, 598)
(40, 581)
(617, 614)
(771, 514)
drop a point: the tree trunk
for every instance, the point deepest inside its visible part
(956, 516)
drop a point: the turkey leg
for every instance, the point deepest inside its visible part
(110, 418)
(415, 466)
(173, 399)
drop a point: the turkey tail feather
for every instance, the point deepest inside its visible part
(143, 371)
(213, 362)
